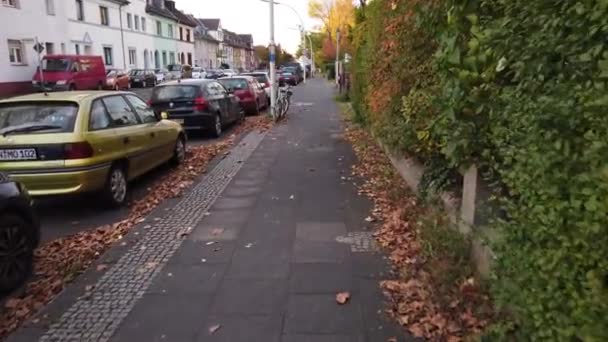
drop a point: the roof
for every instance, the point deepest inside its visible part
(201, 31)
(75, 96)
(234, 39)
(186, 81)
(161, 12)
(211, 24)
(181, 16)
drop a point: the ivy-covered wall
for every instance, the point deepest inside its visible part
(519, 89)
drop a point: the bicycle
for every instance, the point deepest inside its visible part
(283, 102)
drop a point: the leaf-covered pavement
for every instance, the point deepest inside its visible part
(59, 261)
(426, 308)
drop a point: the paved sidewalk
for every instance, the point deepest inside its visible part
(285, 232)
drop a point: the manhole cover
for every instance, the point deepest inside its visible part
(359, 241)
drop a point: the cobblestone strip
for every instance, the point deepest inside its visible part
(96, 317)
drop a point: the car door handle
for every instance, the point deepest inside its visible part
(152, 134)
(126, 140)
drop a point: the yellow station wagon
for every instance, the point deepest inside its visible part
(84, 141)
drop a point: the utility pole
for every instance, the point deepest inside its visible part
(337, 56)
(303, 50)
(273, 71)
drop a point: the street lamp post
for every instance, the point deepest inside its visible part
(271, 62)
(337, 55)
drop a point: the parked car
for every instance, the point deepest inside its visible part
(117, 80)
(288, 77)
(80, 142)
(142, 77)
(70, 72)
(160, 75)
(264, 80)
(229, 72)
(202, 105)
(19, 234)
(178, 71)
(251, 94)
(214, 74)
(198, 72)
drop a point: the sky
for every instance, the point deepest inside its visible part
(253, 17)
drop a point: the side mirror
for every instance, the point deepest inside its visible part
(164, 115)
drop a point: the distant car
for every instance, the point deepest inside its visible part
(160, 75)
(250, 93)
(19, 234)
(202, 105)
(70, 72)
(84, 141)
(178, 72)
(288, 77)
(117, 80)
(263, 78)
(229, 72)
(198, 72)
(214, 74)
(142, 78)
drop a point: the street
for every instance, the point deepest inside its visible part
(64, 216)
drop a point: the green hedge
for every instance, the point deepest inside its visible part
(518, 88)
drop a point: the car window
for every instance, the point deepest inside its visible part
(120, 112)
(220, 89)
(174, 92)
(212, 89)
(52, 116)
(146, 114)
(234, 83)
(99, 118)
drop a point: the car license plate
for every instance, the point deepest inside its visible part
(179, 121)
(18, 154)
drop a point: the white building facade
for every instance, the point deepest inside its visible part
(124, 32)
(18, 60)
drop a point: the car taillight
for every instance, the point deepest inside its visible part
(149, 102)
(200, 103)
(79, 150)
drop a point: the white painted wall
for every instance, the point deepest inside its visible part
(206, 53)
(136, 37)
(24, 23)
(186, 46)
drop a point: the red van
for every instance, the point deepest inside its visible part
(70, 72)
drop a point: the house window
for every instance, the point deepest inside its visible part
(10, 3)
(132, 57)
(189, 58)
(50, 7)
(187, 35)
(63, 48)
(49, 48)
(181, 33)
(77, 49)
(129, 20)
(79, 10)
(103, 14)
(107, 55)
(164, 58)
(159, 28)
(170, 31)
(171, 57)
(136, 23)
(143, 24)
(15, 52)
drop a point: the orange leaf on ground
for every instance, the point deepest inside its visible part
(342, 297)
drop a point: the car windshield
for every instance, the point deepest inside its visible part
(174, 67)
(287, 74)
(197, 69)
(111, 73)
(136, 72)
(234, 83)
(55, 64)
(229, 71)
(174, 92)
(52, 116)
(159, 71)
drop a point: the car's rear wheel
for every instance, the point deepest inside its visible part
(256, 109)
(17, 243)
(116, 187)
(216, 130)
(179, 153)
(72, 87)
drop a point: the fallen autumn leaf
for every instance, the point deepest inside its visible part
(342, 297)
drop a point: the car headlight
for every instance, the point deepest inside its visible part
(34, 82)
(61, 82)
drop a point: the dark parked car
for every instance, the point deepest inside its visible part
(288, 77)
(214, 74)
(197, 104)
(19, 234)
(143, 78)
(249, 91)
